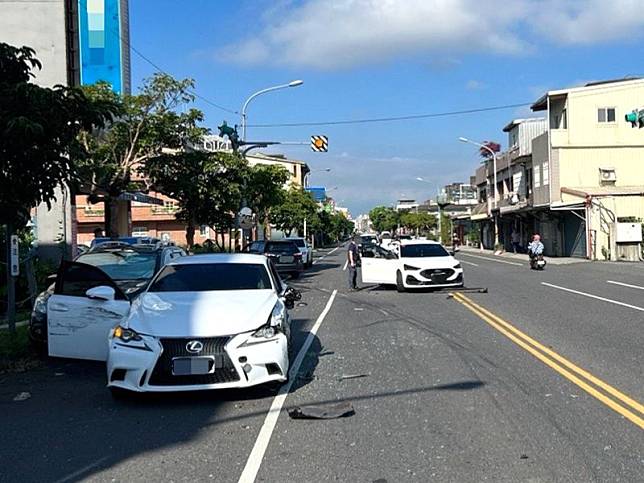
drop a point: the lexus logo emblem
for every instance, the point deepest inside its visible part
(194, 346)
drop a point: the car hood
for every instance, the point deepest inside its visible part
(201, 314)
(430, 262)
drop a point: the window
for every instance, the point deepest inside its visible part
(140, 231)
(537, 176)
(204, 231)
(422, 251)
(546, 174)
(204, 277)
(606, 115)
(78, 278)
(560, 120)
(123, 264)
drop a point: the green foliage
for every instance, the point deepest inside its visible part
(207, 186)
(38, 129)
(296, 206)
(265, 189)
(148, 125)
(384, 218)
(423, 222)
(446, 229)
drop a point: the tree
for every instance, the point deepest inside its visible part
(38, 129)
(147, 125)
(490, 145)
(297, 206)
(421, 222)
(384, 218)
(207, 186)
(264, 189)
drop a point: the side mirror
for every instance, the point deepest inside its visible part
(51, 278)
(291, 296)
(102, 292)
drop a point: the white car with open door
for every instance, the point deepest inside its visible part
(205, 322)
(417, 264)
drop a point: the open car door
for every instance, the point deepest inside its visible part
(86, 304)
(380, 268)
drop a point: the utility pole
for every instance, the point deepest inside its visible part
(11, 278)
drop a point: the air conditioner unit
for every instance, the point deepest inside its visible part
(607, 175)
(512, 198)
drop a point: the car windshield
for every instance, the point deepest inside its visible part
(299, 243)
(256, 247)
(123, 264)
(283, 248)
(421, 251)
(205, 277)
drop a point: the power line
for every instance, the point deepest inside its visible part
(197, 95)
(393, 119)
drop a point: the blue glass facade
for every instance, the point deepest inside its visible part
(101, 43)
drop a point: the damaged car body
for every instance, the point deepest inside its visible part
(205, 322)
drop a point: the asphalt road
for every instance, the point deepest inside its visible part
(528, 382)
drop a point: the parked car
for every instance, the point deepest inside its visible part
(205, 322)
(418, 264)
(307, 253)
(130, 267)
(284, 254)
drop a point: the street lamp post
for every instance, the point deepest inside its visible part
(494, 201)
(294, 83)
(308, 175)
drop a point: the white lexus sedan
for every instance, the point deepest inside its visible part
(205, 322)
(414, 264)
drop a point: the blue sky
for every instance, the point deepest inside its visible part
(377, 58)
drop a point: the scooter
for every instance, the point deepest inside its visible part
(537, 262)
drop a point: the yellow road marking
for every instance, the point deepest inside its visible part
(534, 348)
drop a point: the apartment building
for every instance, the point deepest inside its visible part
(573, 175)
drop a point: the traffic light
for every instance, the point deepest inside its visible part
(636, 118)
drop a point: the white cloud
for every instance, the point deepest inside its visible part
(330, 34)
(474, 85)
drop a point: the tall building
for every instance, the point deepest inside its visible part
(77, 42)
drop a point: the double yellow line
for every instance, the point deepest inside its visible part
(607, 394)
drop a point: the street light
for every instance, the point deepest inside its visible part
(294, 83)
(494, 201)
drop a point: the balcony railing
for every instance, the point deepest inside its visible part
(164, 210)
(89, 212)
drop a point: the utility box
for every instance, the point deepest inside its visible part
(628, 233)
(628, 241)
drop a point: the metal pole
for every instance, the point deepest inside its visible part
(253, 96)
(11, 284)
(496, 220)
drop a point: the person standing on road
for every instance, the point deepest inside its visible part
(352, 263)
(516, 240)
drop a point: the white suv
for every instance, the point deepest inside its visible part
(305, 250)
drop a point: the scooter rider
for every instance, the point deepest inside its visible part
(535, 248)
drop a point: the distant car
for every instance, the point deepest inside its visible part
(367, 243)
(208, 321)
(418, 264)
(129, 267)
(307, 253)
(284, 254)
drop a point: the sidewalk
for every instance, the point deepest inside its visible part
(521, 257)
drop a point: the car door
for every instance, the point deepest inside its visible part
(381, 268)
(78, 326)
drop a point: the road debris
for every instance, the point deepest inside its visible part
(322, 411)
(22, 396)
(344, 377)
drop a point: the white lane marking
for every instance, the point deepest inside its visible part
(383, 312)
(257, 454)
(324, 256)
(604, 299)
(492, 259)
(625, 284)
(469, 263)
(84, 469)
(345, 265)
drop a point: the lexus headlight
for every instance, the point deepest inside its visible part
(409, 267)
(126, 335)
(273, 324)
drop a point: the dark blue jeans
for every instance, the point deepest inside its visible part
(353, 276)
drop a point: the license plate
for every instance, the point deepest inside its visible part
(286, 259)
(190, 366)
